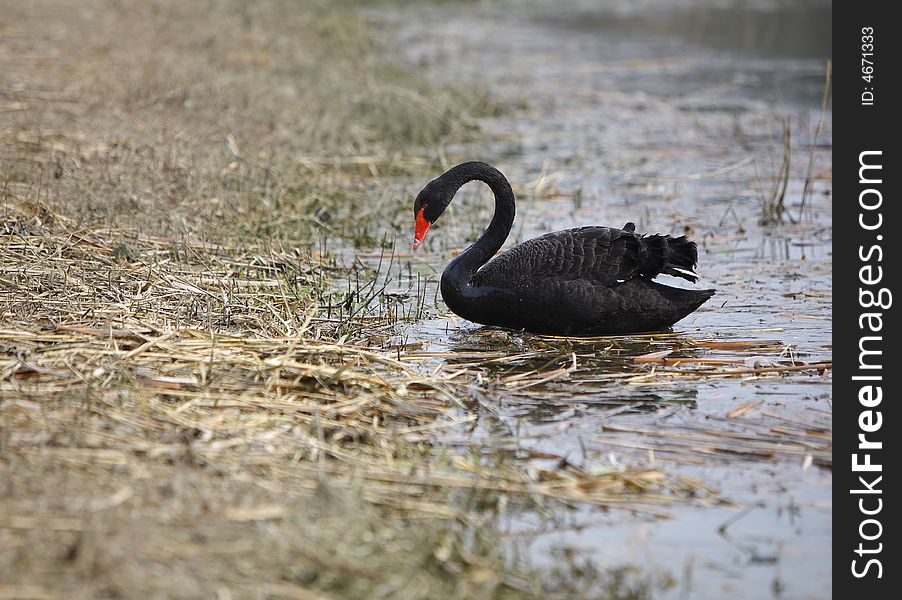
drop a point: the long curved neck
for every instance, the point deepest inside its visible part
(465, 265)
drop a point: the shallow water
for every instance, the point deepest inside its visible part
(669, 115)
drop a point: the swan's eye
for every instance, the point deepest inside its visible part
(418, 206)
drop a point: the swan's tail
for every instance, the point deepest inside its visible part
(670, 255)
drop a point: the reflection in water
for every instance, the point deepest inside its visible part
(787, 30)
(544, 379)
(575, 401)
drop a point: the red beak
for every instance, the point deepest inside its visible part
(421, 226)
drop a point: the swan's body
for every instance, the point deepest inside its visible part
(585, 281)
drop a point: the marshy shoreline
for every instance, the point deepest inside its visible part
(223, 372)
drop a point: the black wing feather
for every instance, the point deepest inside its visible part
(597, 255)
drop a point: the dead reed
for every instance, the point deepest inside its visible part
(128, 362)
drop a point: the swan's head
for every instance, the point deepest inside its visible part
(431, 202)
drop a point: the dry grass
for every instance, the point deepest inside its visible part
(200, 118)
(773, 209)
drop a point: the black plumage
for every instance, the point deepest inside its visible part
(585, 281)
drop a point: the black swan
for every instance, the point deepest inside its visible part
(585, 281)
